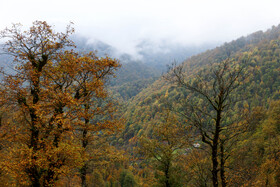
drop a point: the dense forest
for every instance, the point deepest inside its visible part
(71, 117)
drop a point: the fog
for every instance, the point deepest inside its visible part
(125, 24)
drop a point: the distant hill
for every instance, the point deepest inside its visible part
(136, 74)
(132, 78)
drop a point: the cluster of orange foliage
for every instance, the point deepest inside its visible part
(53, 106)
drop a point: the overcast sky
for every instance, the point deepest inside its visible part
(124, 23)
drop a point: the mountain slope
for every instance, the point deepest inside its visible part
(259, 52)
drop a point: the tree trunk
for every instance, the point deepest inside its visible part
(222, 172)
(35, 177)
(49, 178)
(215, 145)
(214, 165)
(83, 171)
(167, 177)
(34, 138)
(59, 130)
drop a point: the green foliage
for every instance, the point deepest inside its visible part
(165, 148)
(258, 53)
(127, 179)
(132, 78)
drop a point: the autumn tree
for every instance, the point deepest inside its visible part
(197, 163)
(52, 99)
(168, 143)
(211, 97)
(94, 111)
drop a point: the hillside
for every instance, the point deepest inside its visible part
(261, 48)
(132, 78)
(249, 135)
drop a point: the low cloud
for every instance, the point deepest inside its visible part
(124, 24)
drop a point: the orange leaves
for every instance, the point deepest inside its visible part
(56, 102)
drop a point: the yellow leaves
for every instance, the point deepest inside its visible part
(166, 94)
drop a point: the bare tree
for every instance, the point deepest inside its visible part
(211, 96)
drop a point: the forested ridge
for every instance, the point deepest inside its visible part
(260, 54)
(71, 118)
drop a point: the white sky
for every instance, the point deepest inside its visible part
(123, 23)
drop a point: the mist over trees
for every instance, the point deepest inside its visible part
(75, 112)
